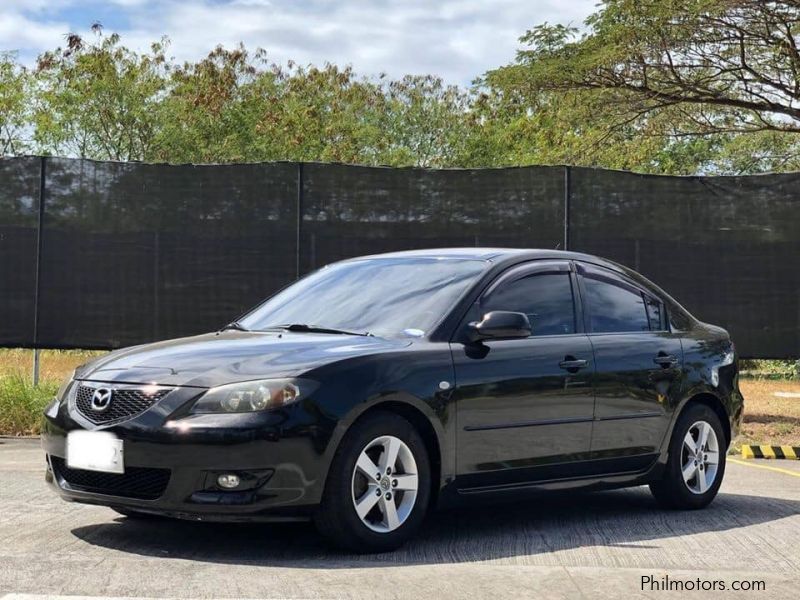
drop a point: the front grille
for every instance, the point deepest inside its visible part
(125, 402)
(136, 482)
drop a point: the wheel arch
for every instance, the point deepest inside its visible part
(712, 401)
(422, 418)
(426, 430)
(715, 404)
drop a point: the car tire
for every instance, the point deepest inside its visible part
(356, 511)
(692, 479)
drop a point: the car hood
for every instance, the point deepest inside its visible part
(218, 358)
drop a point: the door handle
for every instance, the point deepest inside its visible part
(665, 360)
(572, 364)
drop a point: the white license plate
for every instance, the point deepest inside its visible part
(95, 451)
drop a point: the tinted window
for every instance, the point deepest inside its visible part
(545, 298)
(654, 312)
(614, 307)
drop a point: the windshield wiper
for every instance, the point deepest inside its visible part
(305, 328)
(234, 325)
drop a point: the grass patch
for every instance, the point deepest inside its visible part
(768, 369)
(22, 403)
(769, 419)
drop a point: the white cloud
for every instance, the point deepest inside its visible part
(20, 33)
(33, 5)
(458, 40)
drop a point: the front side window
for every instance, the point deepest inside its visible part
(393, 297)
(545, 298)
(613, 306)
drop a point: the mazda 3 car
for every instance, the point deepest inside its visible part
(377, 389)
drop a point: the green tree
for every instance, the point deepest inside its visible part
(99, 100)
(323, 114)
(427, 122)
(210, 110)
(237, 106)
(574, 127)
(15, 92)
(233, 106)
(677, 70)
(671, 86)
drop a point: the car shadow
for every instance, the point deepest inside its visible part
(625, 518)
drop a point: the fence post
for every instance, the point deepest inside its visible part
(567, 201)
(35, 366)
(156, 283)
(38, 267)
(299, 231)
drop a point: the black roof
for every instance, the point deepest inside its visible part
(492, 254)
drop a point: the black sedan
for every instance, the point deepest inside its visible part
(378, 388)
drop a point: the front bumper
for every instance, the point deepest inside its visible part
(172, 464)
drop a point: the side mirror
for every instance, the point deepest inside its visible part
(500, 325)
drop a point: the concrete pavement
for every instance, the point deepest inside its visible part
(582, 546)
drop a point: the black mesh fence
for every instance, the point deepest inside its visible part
(352, 211)
(728, 248)
(105, 255)
(19, 218)
(134, 252)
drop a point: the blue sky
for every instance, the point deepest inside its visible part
(457, 39)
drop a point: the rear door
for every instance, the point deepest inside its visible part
(638, 363)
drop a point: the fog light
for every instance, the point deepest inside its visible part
(228, 481)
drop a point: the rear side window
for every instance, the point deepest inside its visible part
(613, 306)
(655, 313)
(546, 298)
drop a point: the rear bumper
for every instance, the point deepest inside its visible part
(171, 467)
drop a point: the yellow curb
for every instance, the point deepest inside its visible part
(764, 451)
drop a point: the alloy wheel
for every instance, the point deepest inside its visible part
(384, 484)
(700, 457)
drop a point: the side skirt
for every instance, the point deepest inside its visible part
(599, 473)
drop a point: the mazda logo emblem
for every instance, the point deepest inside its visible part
(101, 400)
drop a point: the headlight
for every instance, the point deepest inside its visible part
(253, 396)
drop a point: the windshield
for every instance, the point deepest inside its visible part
(382, 296)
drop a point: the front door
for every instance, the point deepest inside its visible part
(525, 406)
